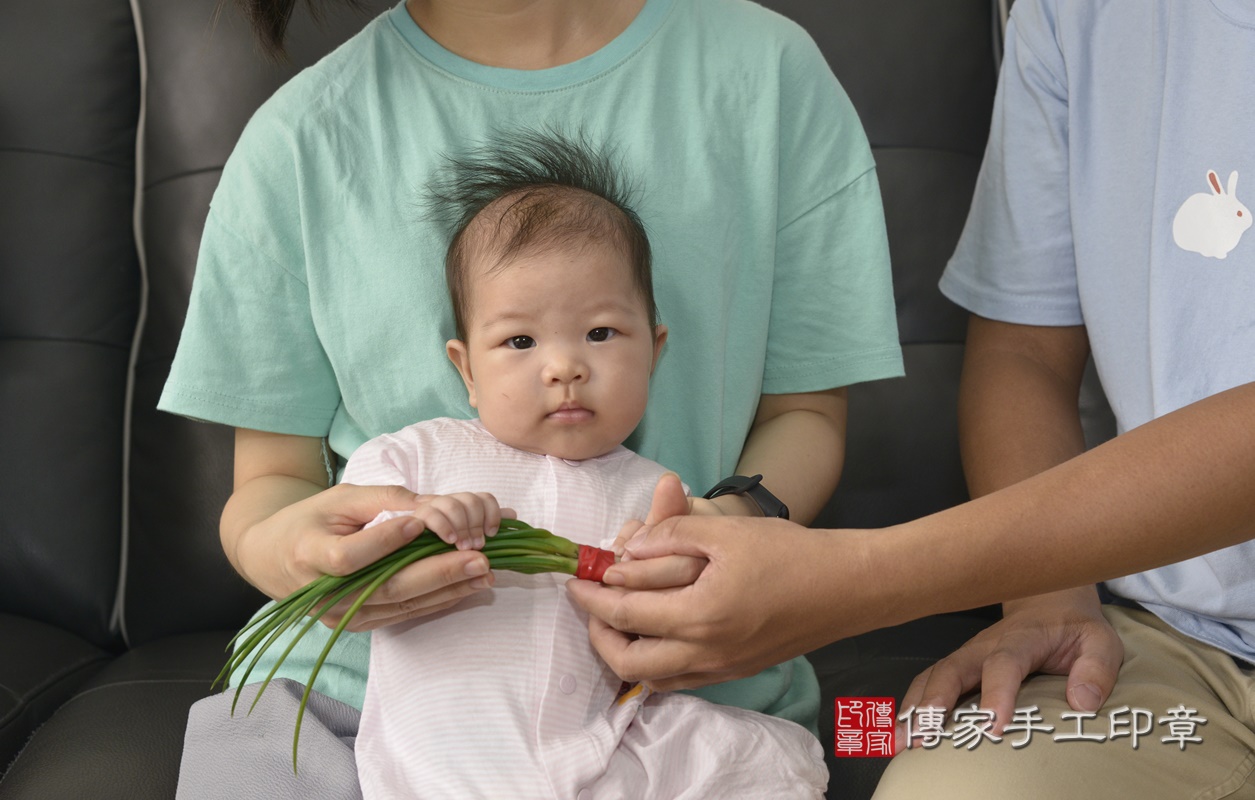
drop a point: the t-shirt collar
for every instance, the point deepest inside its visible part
(647, 22)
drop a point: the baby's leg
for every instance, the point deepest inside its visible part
(682, 747)
(250, 755)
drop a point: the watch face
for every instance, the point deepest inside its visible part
(768, 502)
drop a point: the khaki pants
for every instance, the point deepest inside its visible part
(1163, 670)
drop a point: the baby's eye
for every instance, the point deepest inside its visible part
(520, 342)
(601, 334)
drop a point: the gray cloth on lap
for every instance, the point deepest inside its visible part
(250, 754)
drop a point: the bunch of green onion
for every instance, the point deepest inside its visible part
(517, 547)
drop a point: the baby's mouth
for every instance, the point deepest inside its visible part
(570, 412)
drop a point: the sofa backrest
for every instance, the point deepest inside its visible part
(921, 76)
(69, 297)
(204, 77)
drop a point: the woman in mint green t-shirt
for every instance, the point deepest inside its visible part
(319, 316)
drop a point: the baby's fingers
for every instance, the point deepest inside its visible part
(473, 515)
(628, 530)
(484, 514)
(443, 521)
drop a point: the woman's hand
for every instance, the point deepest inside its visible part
(282, 528)
(1063, 633)
(323, 535)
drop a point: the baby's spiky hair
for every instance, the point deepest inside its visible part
(533, 192)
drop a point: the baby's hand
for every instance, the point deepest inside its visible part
(463, 519)
(697, 506)
(670, 500)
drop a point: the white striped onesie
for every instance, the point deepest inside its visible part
(502, 696)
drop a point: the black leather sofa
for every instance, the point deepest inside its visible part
(115, 599)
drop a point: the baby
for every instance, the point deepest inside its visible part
(502, 695)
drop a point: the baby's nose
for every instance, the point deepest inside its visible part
(565, 369)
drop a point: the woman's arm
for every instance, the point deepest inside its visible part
(272, 471)
(282, 527)
(797, 443)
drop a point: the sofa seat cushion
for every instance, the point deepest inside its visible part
(41, 667)
(121, 735)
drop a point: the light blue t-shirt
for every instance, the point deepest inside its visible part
(319, 306)
(1107, 198)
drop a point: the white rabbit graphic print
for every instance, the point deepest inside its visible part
(1211, 224)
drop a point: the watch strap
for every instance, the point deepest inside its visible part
(751, 487)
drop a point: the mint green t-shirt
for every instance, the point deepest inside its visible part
(319, 306)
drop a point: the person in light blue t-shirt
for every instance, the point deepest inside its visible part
(1110, 219)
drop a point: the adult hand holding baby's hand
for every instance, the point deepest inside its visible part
(669, 501)
(323, 534)
(761, 598)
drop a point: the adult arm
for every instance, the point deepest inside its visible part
(797, 443)
(1017, 418)
(1177, 487)
(283, 527)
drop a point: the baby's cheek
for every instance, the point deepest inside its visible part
(501, 422)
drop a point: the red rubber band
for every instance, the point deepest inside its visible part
(593, 562)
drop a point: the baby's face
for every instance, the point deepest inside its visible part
(559, 351)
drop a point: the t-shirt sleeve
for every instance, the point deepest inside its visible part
(1015, 260)
(833, 321)
(249, 355)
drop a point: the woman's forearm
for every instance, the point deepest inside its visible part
(797, 444)
(271, 472)
(256, 501)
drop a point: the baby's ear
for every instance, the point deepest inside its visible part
(660, 338)
(461, 358)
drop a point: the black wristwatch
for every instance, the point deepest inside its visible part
(752, 488)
